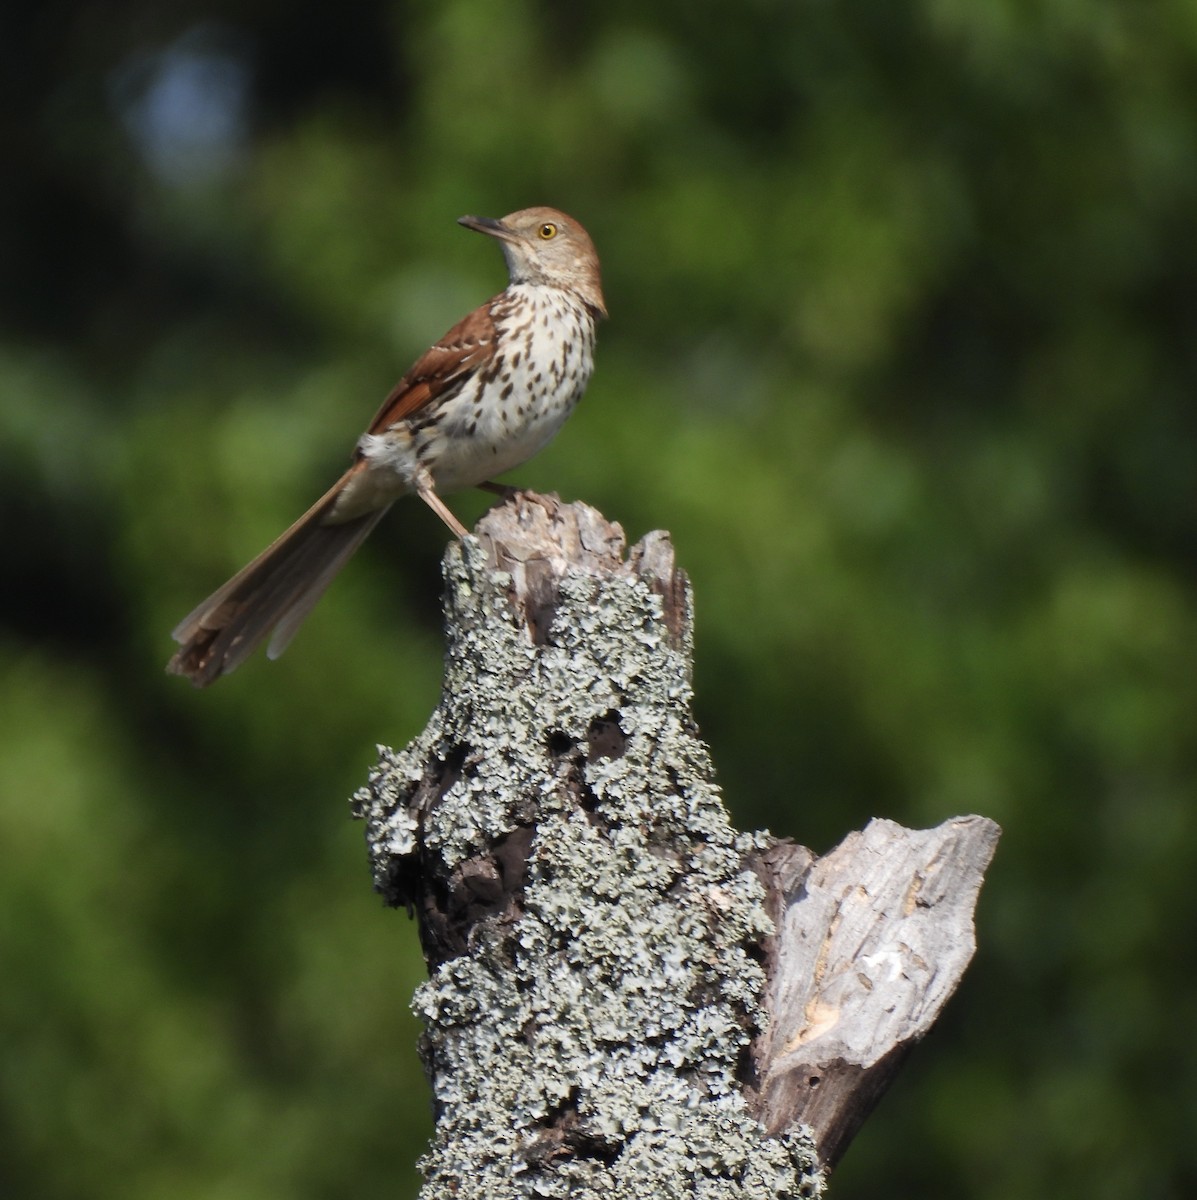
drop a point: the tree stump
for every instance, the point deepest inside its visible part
(627, 997)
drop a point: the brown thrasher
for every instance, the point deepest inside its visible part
(490, 394)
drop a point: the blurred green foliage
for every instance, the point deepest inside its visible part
(902, 352)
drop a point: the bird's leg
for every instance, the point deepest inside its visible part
(500, 489)
(439, 507)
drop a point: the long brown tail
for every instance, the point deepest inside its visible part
(271, 595)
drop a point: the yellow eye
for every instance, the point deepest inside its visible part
(548, 230)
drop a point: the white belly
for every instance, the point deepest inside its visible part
(498, 419)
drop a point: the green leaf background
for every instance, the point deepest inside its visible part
(902, 352)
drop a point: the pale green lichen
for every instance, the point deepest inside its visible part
(592, 1047)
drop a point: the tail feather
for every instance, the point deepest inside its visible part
(272, 594)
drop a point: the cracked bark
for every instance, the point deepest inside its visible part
(626, 996)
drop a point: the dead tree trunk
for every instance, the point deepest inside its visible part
(628, 998)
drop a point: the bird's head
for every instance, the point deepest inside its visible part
(544, 246)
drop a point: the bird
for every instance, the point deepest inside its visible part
(486, 397)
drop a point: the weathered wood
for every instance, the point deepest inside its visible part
(603, 962)
(872, 939)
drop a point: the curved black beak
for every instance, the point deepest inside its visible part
(489, 226)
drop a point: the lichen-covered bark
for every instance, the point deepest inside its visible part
(591, 922)
(627, 998)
